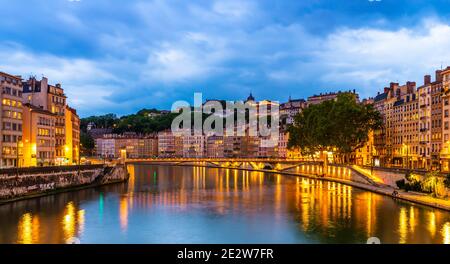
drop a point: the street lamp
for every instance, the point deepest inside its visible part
(371, 158)
(407, 155)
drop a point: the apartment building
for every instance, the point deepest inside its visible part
(11, 120)
(283, 144)
(366, 154)
(424, 93)
(379, 136)
(322, 97)
(50, 98)
(241, 146)
(290, 109)
(436, 121)
(72, 136)
(268, 147)
(215, 147)
(128, 145)
(193, 146)
(136, 147)
(39, 136)
(169, 145)
(105, 147)
(445, 151)
(404, 125)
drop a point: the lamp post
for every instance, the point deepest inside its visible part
(371, 159)
(407, 156)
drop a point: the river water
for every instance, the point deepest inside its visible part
(170, 204)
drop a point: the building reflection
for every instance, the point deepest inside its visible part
(446, 233)
(316, 205)
(322, 210)
(28, 229)
(123, 213)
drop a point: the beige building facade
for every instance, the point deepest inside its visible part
(11, 120)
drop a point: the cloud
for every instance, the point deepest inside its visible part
(373, 57)
(233, 9)
(85, 82)
(122, 57)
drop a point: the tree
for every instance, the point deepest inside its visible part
(104, 121)
(340, 125)
(87, 143)
(433, 183)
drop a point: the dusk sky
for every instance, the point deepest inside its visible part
(121, 56)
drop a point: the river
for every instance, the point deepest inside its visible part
(174, 204)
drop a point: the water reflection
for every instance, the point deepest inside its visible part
(28, 229)
(446, 233)
(200, 205)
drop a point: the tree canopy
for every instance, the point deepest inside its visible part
(142, 122)
(342, 125)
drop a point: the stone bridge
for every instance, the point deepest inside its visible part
(236, 163)
(300, 167)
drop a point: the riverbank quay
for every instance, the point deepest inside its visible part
(358, 180)
(26, 183)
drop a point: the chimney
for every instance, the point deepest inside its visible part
(426, 79)
(393, 85)
(386, 89)
(410, 86)
(438, 76)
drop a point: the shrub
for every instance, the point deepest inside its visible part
(447, 181)
(413, 185)
(400, 184)
(434, 183)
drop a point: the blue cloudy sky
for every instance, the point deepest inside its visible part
(119, 56)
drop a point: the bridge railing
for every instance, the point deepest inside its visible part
(130, 160)
(13, 172)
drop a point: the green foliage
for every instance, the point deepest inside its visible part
(104, 121)
(414, 186)
(87, 143)
(144, 121)
(341, 124)
(401, 184)
(447, 181)
(433, 183)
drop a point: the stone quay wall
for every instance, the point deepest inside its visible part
(37, 181)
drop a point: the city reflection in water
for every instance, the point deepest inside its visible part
(28, 229)
(163, 204)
